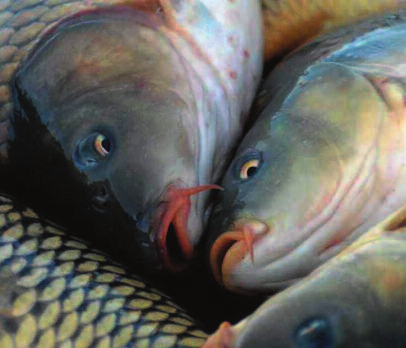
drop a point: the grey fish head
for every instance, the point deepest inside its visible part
(307, 178)
(105, 128)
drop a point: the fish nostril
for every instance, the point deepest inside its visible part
(101, 197)
(255, 227)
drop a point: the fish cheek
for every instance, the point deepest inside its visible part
(70, 197)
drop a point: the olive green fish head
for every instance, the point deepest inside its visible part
(309, 177)
(122, 115)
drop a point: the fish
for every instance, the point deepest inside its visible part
(323, 163)
(125, 119)
(58, 291)
(353, 300)
(22, 24)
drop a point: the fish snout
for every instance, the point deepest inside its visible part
(169, 230)
(235, 247)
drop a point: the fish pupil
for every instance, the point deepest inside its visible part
(106, 145)
(252, 171)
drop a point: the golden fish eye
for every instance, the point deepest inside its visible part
(249, 169)
(102, 145)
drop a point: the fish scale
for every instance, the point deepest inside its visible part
(57, 291)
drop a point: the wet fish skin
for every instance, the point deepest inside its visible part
(324, 157)
(22, 24)
(56, 290)
(162, 92)
(353, 300)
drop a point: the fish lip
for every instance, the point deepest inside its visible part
(232, 246)
(169, 229)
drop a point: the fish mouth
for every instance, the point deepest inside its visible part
(231, 248)
(170, 231)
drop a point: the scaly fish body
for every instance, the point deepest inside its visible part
(135, 111)
(57, 291)
(324, 162)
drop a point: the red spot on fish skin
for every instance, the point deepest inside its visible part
(233, 75)
(246, 54)
(141, 84)
(231, 39)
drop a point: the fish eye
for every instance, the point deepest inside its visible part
(248, 166)
(314, 333)
(92, 149)
(249, 169)
(102, 145)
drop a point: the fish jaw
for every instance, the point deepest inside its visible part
(172, 215)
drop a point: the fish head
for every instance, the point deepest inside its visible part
(298, 178)
(104, 106)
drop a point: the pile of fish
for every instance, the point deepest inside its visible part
(123, 121)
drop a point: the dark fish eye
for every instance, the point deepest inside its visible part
(248, 166)
(92, 149)
(314, 333)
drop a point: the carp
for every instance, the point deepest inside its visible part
(123, 117)
(322, 164)
(309, 199)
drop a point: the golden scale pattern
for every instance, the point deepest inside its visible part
(55, 291)
(21, 24)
